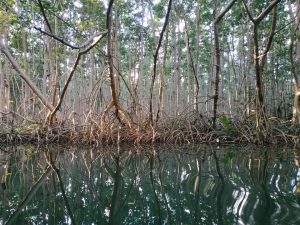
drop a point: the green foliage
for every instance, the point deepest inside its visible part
(159, 9)
(225, 121)
(228, 125)
(6, 18)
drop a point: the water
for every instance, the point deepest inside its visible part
(165, 185)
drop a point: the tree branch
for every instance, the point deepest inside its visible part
(56, 38)
(248, 11)
(108, 12)
(224, 11)
(270, 38)
(94, 39)
(264, 13)
(44, 15)
(85, 44)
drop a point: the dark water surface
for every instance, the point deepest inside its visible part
(154, 185)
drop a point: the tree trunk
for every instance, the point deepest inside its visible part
(162, 80)
(259, 100)
(120, 113)
(197, 64)
(217, 62)
(259, 65)
(217, 57)
(295, 54)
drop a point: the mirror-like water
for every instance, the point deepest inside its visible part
(171, 185)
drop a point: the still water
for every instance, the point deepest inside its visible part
(154, 185)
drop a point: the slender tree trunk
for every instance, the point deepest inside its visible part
(177, 80)
(26, 100)
(174, 91)
(191, 68)
(295, 59)
(197, 63)
(113, 84)
(259, 100)
(217, 58)
(162, 80)
(217, 62)
(155, 58)
(57, 64)
(259, 65)
(120, 113)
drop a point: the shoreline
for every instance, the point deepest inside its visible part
(236, 133)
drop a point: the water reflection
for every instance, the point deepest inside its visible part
(166, 185)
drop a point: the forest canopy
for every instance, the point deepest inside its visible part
(151, 70)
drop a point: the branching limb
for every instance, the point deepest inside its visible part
(81, 53)
(224, 11)
(61, 40)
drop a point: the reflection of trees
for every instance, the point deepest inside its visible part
(51, 162)
(197, 214)
(207, 187)
(268, 203)
(156, 199)
(220, 190)
(29, 196)
(117, 195)
(166, 201)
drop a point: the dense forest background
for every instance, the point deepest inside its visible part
(140, 64)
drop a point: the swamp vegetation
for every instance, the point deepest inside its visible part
(148, 71)
(94, 74)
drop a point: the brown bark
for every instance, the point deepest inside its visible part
(115, 97)
(120, 113)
